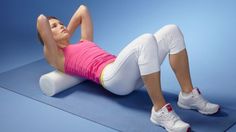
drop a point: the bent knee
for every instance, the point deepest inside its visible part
(147, 39)
(172, 28)
(147, 36)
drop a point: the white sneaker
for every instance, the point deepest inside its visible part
(167, 118)
(194, 100)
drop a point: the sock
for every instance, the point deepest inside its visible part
(186, 94)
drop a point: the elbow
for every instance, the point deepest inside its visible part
(83, 7)
(41, 18)
(40, 21)
(83, 10)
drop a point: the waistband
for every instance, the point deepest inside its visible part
(101, 77)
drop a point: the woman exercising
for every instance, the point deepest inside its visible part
(138, 64)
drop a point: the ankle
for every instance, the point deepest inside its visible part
(157, 107)
(187, 90)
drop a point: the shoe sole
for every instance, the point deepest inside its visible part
(168, 130)
(193, 108)
(154, 122)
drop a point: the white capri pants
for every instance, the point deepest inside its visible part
(142, 56)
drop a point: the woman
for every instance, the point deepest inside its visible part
(139, 62)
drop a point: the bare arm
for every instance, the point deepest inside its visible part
(82, 17)
(50, 47)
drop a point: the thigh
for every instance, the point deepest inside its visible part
(123, 75)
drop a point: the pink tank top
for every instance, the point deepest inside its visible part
(86, 59)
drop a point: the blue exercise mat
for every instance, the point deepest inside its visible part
(91, 101)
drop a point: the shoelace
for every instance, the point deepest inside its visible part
(171, 116)
(201, 100)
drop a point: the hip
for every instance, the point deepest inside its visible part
(102, 74)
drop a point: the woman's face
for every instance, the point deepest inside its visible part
(59, 32)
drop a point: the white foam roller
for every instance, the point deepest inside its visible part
(56, 81)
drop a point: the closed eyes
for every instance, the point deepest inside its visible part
(55, 25)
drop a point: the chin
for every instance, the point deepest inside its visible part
(63, 46)
(66, 44)
(67, 36)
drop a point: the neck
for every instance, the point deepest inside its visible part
(63, 44)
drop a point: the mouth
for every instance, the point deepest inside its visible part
(64, 31)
